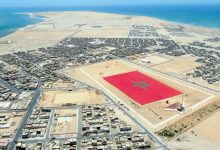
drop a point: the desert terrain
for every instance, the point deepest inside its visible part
(204, 136)
(57, 98)
(154, 113)
(196, 127)
(57, 26)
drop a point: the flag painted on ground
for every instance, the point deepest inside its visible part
(141, 88)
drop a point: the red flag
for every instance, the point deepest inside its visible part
(141, 88)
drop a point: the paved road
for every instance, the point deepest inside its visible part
(151, 134)
(9, 86)
(158, 71)
(115, 99)
(79, 127)
(49, 124)
(34, 102)
(75, 106)
(30, 109)
(42, 140)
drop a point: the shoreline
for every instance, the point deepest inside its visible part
(185, 14)
(99, 12)
(157, 18)
(32, 17)
(57, 25)
(67, 51)
(43, 17)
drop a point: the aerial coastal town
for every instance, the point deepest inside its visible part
(56, 96)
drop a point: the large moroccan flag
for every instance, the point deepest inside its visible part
(141, 88)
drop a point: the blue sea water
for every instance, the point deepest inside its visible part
(10, 22)
(199, 15)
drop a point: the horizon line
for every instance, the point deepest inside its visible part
(170, 4)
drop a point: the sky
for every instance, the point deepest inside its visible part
(46, 3)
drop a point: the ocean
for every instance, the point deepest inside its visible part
(199, 15)
(10, 22)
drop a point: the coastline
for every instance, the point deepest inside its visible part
(32, 15)
(57, 25)
(87, 47)
(33, 20)
(161, 19)
(168, 21)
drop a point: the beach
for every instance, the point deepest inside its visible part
(59, 25)
(81, 44)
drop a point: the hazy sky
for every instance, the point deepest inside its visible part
(24, 3)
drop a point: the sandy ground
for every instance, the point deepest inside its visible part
(149, 60)
(59, 25)
(63, 84)
(122, 116)
(4, 105)
(65, 122)
(178, 65)
(204, 136)
(59, 85)
(13, 121)
(153, 112)
(200, 81)
(80, 97)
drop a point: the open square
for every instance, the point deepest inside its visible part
(54, 98)
(154, 113)
(141, 88)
